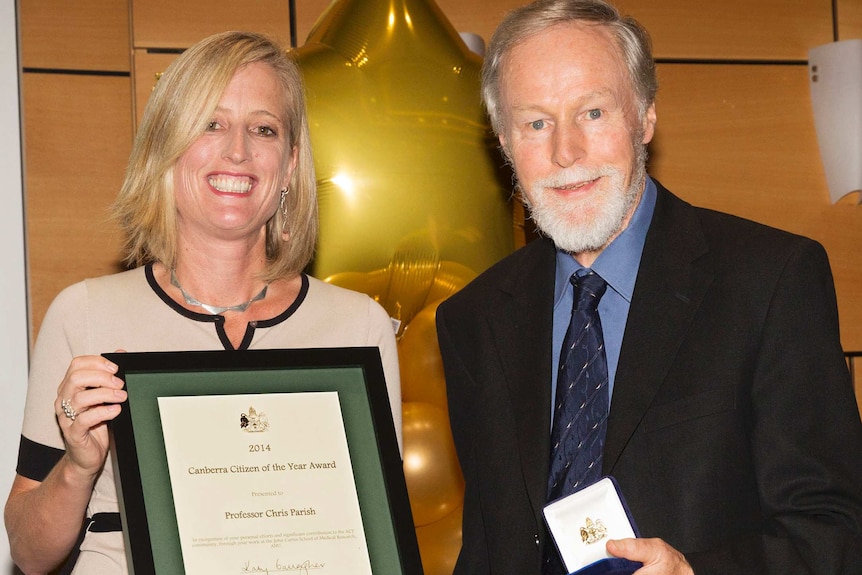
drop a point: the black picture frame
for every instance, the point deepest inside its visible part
(138, 445)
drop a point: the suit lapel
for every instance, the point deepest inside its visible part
(669, 289)
(522, 337)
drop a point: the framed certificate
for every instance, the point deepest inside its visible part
(263, 461)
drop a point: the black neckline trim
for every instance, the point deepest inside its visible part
(218, 320)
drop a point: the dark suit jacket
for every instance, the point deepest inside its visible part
(733, 432)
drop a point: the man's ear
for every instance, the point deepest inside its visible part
(504, 147)
(649, 124)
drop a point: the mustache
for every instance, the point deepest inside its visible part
(574, 176)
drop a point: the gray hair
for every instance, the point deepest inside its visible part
(523, 23)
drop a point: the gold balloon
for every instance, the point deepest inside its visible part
(431, 469)
(440, 543)
(375, 283)
(450, 278)
(408, 171)
(422, 376)
(407, 285)
(414, 202)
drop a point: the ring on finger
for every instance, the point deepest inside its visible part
(68, 410)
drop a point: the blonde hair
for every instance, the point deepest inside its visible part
(178, 112)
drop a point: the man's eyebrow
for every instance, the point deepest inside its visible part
(581, 99)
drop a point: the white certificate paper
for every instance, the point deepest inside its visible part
(262, 483)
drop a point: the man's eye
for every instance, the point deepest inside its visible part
(594, 114)
(537, 124)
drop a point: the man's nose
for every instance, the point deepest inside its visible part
(568, 145)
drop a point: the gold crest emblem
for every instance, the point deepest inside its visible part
(593, 531)
(253, 421)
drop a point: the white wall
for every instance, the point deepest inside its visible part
(13, 298)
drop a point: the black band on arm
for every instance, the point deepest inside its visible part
(35, 461)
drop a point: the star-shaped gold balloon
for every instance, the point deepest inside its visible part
(403, 152)
(414, 202)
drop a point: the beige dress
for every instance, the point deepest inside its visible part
(130, 311)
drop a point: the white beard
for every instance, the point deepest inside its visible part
(590, 224)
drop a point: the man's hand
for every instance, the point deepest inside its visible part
(658, 557)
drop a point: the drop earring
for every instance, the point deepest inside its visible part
(283, 208)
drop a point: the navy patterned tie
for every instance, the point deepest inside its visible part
(581, 403)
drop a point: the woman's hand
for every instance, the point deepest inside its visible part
(43, 518)
(87, 398)
(658, 557)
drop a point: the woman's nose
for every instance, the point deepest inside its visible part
(237, 146)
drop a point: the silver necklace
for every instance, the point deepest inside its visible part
(214, 309)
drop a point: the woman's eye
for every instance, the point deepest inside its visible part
(213, 125)
(537, 124)
(594, 114)
(264, 131)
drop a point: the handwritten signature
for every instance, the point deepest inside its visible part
(302, 568)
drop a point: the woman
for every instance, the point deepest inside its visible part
(219, 207)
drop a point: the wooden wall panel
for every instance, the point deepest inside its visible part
(476, 16)
(468, 17)
(849, 16)
(78, 35)
(849, 19)
(724, 144)
(147, 66)
(856, 374)
(74, 168)
(734, 29)
(308, 12)
(160, 24)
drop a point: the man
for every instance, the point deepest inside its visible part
(732, 430)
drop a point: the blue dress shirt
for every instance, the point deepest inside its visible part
(618, 265)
